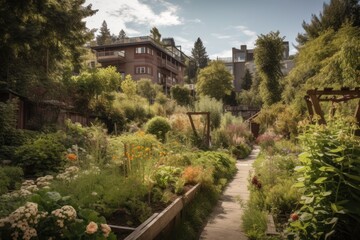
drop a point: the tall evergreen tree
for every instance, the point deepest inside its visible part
(268, 55)
(247, 80)
(122, 34)
(105, 36)
(334, 15)
(199, 54)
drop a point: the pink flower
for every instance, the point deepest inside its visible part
(91, 228)
(105, 229)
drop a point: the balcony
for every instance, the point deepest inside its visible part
(109, 56)
(168, 65)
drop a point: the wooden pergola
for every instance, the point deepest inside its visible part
(315, 97)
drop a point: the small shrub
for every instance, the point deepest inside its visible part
(215, 107)
(241, 151)
(254, 223)
(158, 126)
(10, 178)
(42, 155)
(266, 140)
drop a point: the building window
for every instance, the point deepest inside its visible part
(140, 50)
(143, 70)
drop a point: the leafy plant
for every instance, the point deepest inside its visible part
(42, 155)
(158, 126)
(10, 178)
(328, 179)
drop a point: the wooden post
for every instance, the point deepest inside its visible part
(317, 108)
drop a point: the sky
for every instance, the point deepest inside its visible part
(220, 24)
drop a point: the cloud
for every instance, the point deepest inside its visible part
(245, 30)
(196, 20)
(186, 44)
(220, 36)
(142, 13)
(222, 54)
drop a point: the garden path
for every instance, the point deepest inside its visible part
(225, 221)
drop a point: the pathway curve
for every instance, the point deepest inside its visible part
(225, 221)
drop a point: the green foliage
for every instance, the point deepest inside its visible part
(181, 95)
(198, 52)
(39, 40)
(240, 150)
(147, 89)
(330, 60)
(155, 34)
(7, 119)
(247, 80)
(268, 55)
(128, 86)
(105, 36)
(42, 155)
(158, 126)
(329, 182)
(214, 81)
(254, 222)
(90, 85)
(334, 15)
(215, 107)
(282, 119)
(222, 163)
(167, 176)
(10, 178)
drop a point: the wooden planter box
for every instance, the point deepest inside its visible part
(159, 225)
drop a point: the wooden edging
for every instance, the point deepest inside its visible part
(271, 229)
(153, 226)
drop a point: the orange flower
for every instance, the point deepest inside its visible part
(71, 156)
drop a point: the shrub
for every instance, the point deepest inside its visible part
(241, 150)
(207, 104)
(266, 140)
(7, 119)
(254, 222)
(10, 178)
(158, 126)
(181, 95)
(42, 155)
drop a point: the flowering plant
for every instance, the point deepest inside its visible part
(27, 222)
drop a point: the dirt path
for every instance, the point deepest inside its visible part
(225, 221)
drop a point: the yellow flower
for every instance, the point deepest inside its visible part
(91, 228)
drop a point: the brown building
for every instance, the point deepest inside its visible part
(142, 57)
(243, 59)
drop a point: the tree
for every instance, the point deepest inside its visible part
(214, 81)
(155, 34)
(38, 39)
(147, 89)
(268, 55)
(128, 86)
(199, 54)
(122, 34)
(181, 95)
(330, 60)
(105, 36)
(247, 80)
(191, 70)
(334, 15)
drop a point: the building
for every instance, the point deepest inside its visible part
(243, 59)
(143, 57)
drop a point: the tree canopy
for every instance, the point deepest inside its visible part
(268, 55)
(39, 39)
(155, 34)
(334, 15)
(214, 81)
(330, 60)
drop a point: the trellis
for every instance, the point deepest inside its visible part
(315, 97)
(206, 131)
